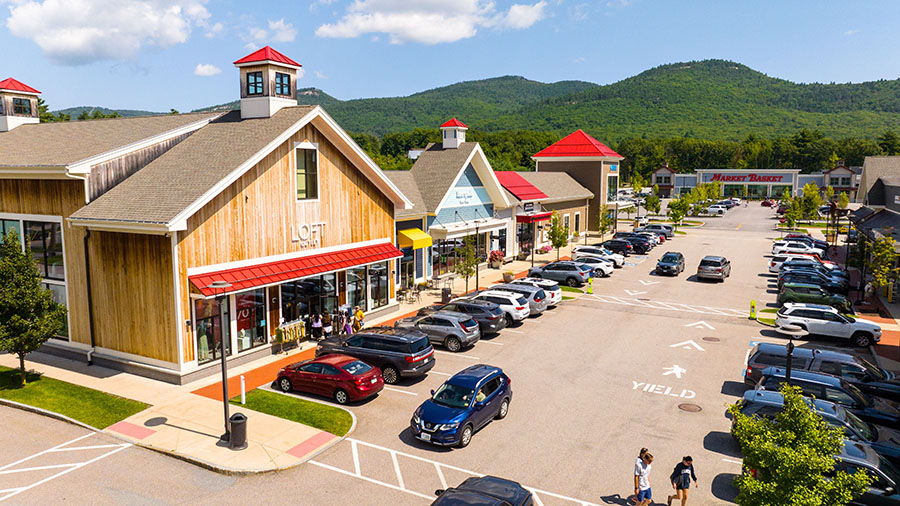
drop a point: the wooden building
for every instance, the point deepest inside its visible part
(276, 200)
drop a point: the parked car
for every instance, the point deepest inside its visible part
(670, 263)
(536, 297)
(453, 331)
(568, 272)
(836, 390)
(485, 490)
(829, 284)
(812, 294)
(514, 306)
(601, 267)
(714, 267)
(828, 321)
(812, 241)
(397, 352)
(767, 203)
(831, 274)
(619, 246)
(669, 230)
(727, 203)
(600, 252)
(795, 247)
(798, 259)
(466, 402)
(716, 209)
(640, 245)
(857, 371)
(886, 477)
(551, 288)
(653, 237)
(488, 315)
(341, 377)
(641, 220)
(852, 235)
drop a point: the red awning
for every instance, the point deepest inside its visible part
(243, 278)
(533, 218)
(518, 186)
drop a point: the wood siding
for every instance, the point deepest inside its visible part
(131, 282)
(256, 216)
(57, 198)
(105, 176)
(268, 76)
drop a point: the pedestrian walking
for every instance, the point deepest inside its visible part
(316, 326)
(348, 322)
(681, 480)
(327, 326)
(642, 492)
(358, 316)
(637, 462)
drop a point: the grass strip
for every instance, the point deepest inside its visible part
(566, 297)
(93, 407)
(314, 414)
(571, 289)
(679, 232)
(766, 321)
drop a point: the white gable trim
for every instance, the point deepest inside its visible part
(488, 180)
(577, 158)
(368, 167)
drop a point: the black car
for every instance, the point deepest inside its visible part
(639, 245)
(828, 284)
(835, 277)
(633, 237)
(670, 263)
(484, 491)
(488, 315)
(397, 352)
(620, 246)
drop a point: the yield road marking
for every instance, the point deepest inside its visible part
(700, 324)
(634, 292)
(675, 369)
(687, 346)
(647, 283)
(399, 391)
(663, 390)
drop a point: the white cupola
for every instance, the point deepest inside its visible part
(18, 104)
(454, 133)
(268, 83)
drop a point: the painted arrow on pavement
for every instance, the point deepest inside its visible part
(648, 283)
(687, 345)
(700, 324)
(634, 292)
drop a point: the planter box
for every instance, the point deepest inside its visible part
(508, 277)
(497, 264)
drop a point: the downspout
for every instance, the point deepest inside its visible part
(87, 274)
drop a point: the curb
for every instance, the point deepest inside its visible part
(50, 414)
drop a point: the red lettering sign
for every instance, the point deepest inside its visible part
(753, 178)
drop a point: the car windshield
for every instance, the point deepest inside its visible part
(418, 346)
(857, 395)
(521, 301)
(872, 369)
(453, 396)
(864, 429)
(356, 368)
(668, 257)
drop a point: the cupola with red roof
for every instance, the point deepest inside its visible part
(18, 104)
(454, 133)
(268, 82)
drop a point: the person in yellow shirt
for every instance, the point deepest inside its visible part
(358, 319)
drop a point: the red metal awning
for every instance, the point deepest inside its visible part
(244, 278)
(533, 218)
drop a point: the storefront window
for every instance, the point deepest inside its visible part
(525, 231)
(407, 266)
(612, 187)
(378, 277)
(210, 330)
(778, 190)
(251, 319)
(7, 226)
(59, 296)
(356, 287)
(44, 240)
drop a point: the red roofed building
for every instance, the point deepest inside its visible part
(590, 162)
(18, 104)
(454, 133)
(266, 55)
(268, 83)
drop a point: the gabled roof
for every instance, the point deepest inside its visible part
(437, 168)
(518, 186)
(11, 84)
(579, 144)
(403, 180)
(558, 186)
(454, 123)
(267, 54)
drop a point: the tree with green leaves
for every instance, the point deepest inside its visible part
(656, 190)
(28, 314)
(173, 111)
(786, 194)
(605, 220)
(843, 200)
(652, 204)
(889, 142)
(558, 234)
(882, 261)
(810, 201)
(829, 193)
(793, 214)
(792, 458)
(678, 209)
(637, 182)
(466, 260)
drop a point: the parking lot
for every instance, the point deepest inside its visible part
(645, 361)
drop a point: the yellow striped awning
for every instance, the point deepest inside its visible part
(414, 238)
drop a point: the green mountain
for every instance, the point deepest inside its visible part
(75, 111)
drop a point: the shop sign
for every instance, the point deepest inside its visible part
(309, 235)
(746, 178)
(529, 207)
(613, 167)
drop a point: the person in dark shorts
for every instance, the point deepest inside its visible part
(681, 480)
(642, 480)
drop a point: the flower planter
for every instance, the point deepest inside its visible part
(496, 264)
(508, 277)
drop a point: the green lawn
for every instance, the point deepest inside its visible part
(680, 232)
(86, 405)
(571, 289)
(794, 230)
(321, 416)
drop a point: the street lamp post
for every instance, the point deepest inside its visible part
(791, 331)
(476, 254)
(223, 285)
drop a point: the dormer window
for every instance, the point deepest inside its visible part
(254, 83)
(22, 106)
(307, 171)
(282, 84)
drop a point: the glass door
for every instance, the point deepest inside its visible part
(212, 329)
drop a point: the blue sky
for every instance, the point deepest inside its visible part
(157, 54)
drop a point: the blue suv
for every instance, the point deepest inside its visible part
(462, 405)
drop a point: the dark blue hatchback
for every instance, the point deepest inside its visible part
(462, 405)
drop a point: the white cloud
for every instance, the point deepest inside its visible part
(206, 70)
(278, 31)
(848, 33)
(579, 59)
(429, 21)
(320, 75)
(281, 31)
(75, 32)
(300, 73)
(214, 30)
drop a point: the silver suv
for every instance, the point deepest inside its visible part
(827, 321)
(448, 328)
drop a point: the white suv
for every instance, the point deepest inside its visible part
(795, 247)
(513, 305)
(550, 287)
(826, 321)
(599, 265)
(599, 252)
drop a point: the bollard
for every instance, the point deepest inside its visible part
(243, 391)
(590, 287)
(752, 309)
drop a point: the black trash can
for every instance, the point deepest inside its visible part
(445, 295)
(238, 424)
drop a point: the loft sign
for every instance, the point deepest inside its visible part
(747, 178)
(309, 235)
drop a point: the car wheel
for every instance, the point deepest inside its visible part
(509, 320)
(466, 437)
(572, 282)
(504, 409)
(390, 374)
(285, 385)
(453, 344)
(340, 396)
(862, 339)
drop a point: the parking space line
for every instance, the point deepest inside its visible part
(732, 461)
(470, 357)
(400, 391)
(440, 373)
(39, 468)
(513, 331)
(491, 342)
(76, 448)
(370, 480)
(397, 470)
(537, 500)
(440, 473)
(355, 456)
(46, 451)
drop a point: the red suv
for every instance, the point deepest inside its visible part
(340, 377)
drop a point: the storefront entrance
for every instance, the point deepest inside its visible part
(407, 269)
(213, 329)
(447, 252)
(305, 297)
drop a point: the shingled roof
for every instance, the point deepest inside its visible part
(558, 186)
(405, 181)
(876, 167)
(437, 168)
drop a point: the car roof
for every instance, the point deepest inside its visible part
(800, 285)
(400, 334)
(672, 253)
(773, 398)
(503, 293)
(714, 257)
(456, 497)
(823, 379)
(508, 490)
(450, 315)
(804, 305)
(333, 359)
(473, 302)
(472, 376)
(780, 349)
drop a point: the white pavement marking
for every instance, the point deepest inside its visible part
(653, 388)
(355, 457)
(439, 373)
(40, 468)
(76, 448)
(46, 451)
(686, 345)
(668, 306)
(634, 292)
(400, 391)
(648, 283)
(439, 469)
(490, 342)
(675, 369)
(732, 461)
(513, 331)
(470, 357)
(699, 324)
